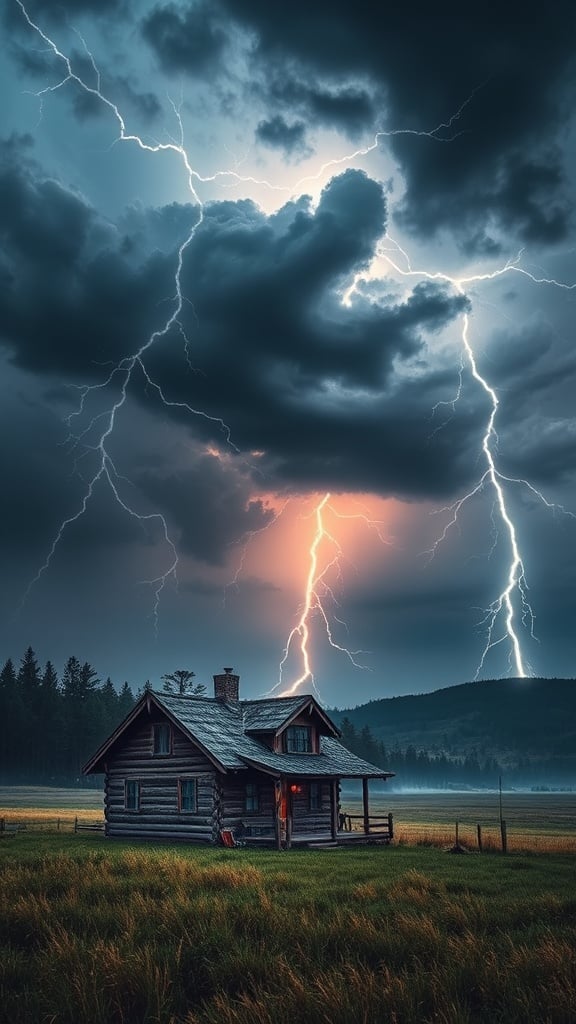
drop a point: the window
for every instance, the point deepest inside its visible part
(252, 797)
(315, 796)
(131, 795)
(187, 795)
(298, 739)
(161, 737)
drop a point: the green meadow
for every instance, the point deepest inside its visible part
(96, 932)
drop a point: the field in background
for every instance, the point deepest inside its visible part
(50, 797)
(541, 822)
(104, 933)
(49, 808)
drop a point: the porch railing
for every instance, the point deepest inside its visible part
(383, 826)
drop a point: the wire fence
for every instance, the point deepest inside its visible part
(481, 837)
(466, 835)
(12, 824)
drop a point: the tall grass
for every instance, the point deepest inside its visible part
(98, 933)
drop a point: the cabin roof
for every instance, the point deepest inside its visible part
(272, 713)
(333, 760)
(215, 724)
(222, 730)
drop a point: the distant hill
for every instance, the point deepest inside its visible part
(518, 722)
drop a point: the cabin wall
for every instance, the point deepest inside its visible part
(233, 799)
(158, 816)
(306, 820)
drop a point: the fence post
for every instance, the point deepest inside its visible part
(457, 843)
(504, 837)
(391, 826)
(479, 831)
(75, 824)
(2, 824)
(58, 824)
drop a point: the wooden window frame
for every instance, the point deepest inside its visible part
(138, 785)
(316, 803)
(181, 808)
(252, 797)
(297, 748)
(156, 726)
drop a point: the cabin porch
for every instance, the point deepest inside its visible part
(294, 822)
(379, 835)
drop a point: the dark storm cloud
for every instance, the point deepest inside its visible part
(348, 109)
(37, 469)
(210, 505)
(514, 64)
(189, 41)
(282, 359)
(278, 134)
(122, 89)
(90, 304)
(298, 364)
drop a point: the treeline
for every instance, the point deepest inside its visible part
(49, 726)
(419, 768)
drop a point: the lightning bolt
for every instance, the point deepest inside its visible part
(122, 375)
(317, 592)
(513, 596)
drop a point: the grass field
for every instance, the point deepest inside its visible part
(107, 933)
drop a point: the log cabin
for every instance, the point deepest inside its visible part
(192, 768)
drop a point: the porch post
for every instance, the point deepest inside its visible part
(289, 815)
(277, 812)
(365, 805)
(334, 809)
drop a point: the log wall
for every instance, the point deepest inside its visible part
(305, 820)
(234, 799)
(158, 816)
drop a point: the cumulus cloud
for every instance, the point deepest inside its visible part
(278, 134)
(190, 40)
(510, 92)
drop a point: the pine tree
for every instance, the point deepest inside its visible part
(51, 721)
(29, 677)
(29, 686)
(12, 722)
(180, 681)
(125, 701)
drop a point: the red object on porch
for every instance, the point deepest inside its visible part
(227, 837)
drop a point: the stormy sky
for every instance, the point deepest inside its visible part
(253, 254)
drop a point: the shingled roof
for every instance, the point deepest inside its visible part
(225, 731)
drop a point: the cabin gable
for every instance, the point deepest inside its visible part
(154, 792)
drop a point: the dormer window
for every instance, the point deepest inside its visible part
(161, 733)
(298, 739)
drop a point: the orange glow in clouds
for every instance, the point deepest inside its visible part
(308, 551)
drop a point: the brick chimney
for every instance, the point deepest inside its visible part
(226, 686)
